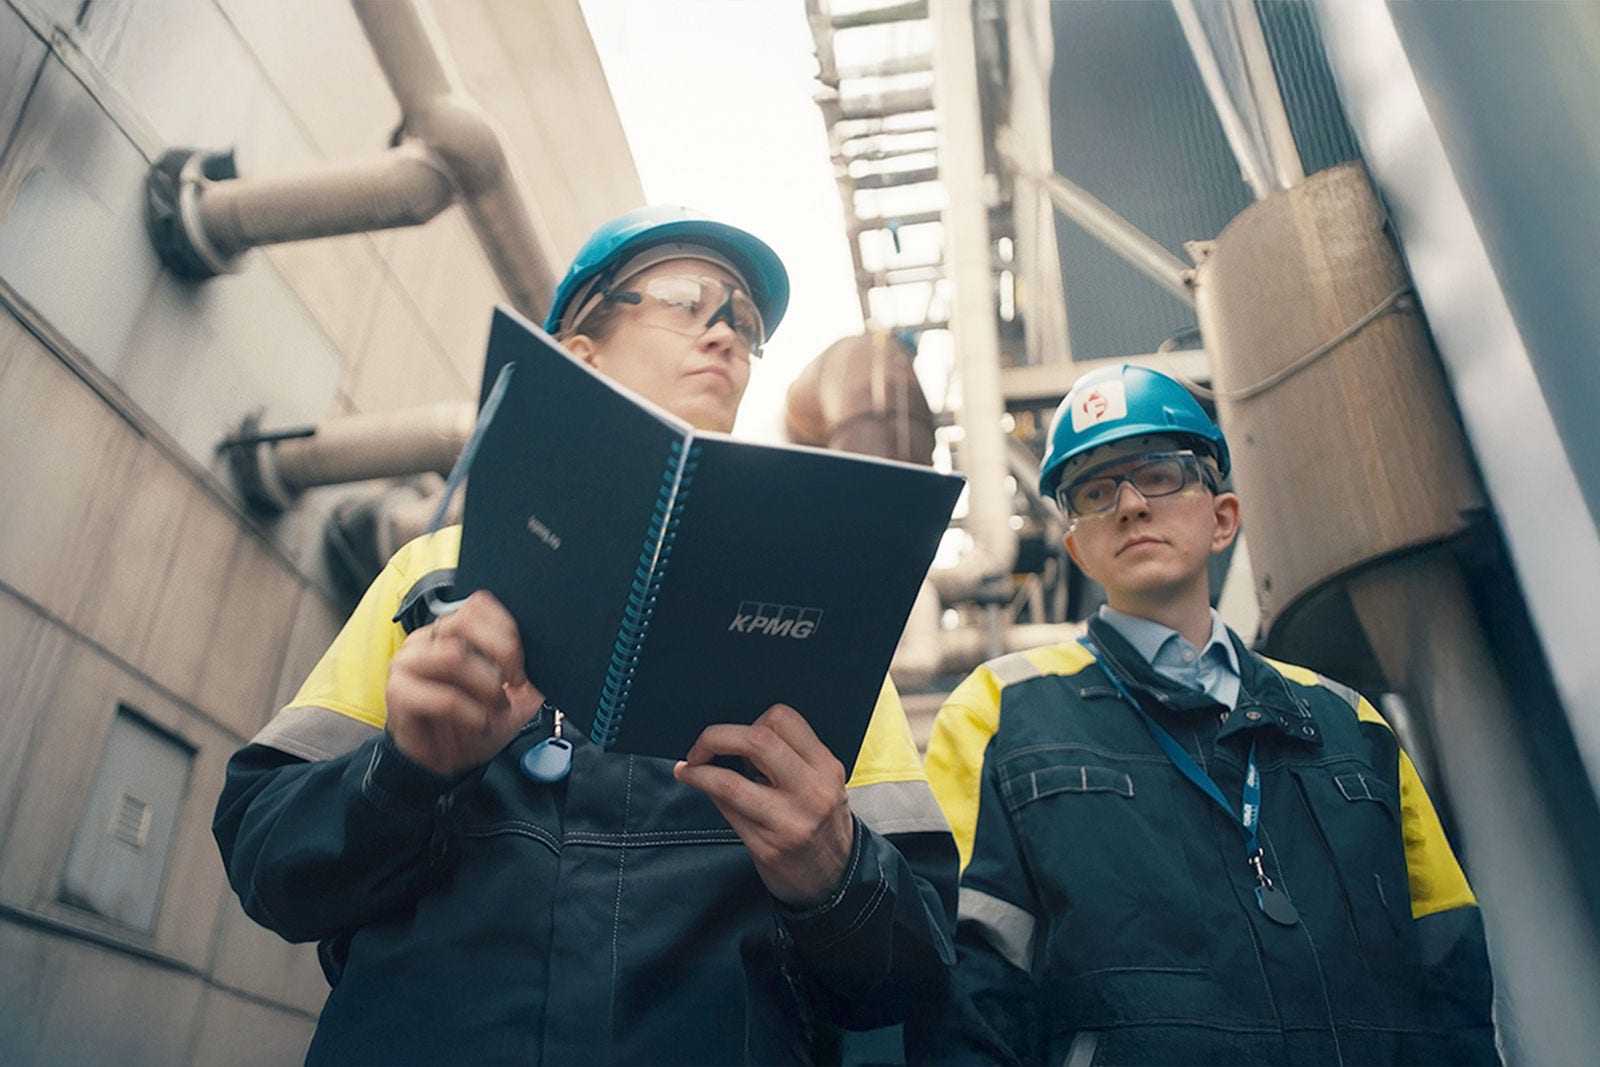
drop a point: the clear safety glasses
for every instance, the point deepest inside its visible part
(1157, 475)
(690, 305)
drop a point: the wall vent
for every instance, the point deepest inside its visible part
(120, 852)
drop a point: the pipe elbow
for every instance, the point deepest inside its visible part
(465, 139)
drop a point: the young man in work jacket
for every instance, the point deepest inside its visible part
(483, 895)
(1175, 850)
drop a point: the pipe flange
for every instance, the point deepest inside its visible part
(172, 190)
(252, 463)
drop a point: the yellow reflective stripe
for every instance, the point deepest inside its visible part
(351, 675)
(961, 733)
(888, 751)
(1437, 881)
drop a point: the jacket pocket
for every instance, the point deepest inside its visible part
(1036, 784)
(1357, 815)
(1110, 853)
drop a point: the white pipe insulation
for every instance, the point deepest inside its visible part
(449, 152)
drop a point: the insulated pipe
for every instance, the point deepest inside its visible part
(406, 186)
(353, 448)
(436, 110)
(972, 316)
(862, 395)
(1419, 616)
(202, 217)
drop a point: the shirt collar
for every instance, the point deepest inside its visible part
(1147, 636)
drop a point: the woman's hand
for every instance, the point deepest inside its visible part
(457, 693)
(793, 815)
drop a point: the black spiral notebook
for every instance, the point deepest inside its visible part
(665, 578)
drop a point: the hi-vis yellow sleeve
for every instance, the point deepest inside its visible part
(965, 725)
(888, 751)
(351, 676)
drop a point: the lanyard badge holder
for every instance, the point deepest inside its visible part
(550, 760)
(1273, 901)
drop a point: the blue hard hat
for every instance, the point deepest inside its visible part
(1114, 403)
(619, 240)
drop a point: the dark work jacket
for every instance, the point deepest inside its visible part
(1107, 911)
(613, 917)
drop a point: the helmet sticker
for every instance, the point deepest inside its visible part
(1106, 402)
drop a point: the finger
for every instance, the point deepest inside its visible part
(442, 659)
(748, 806)
(428, 705)
(489, 628)
(792, 726)
(759, 744)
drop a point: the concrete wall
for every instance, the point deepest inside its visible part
(131, 580)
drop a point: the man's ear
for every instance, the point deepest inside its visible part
(583, 346)
(1072, 550)
(1225, 509)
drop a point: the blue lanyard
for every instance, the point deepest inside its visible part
(1274, 904)
(1250, 806)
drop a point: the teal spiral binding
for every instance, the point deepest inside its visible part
(641, 606)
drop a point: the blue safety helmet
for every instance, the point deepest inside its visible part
(1114, 403)
(625, 236)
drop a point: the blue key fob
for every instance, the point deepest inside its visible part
(549, 761)
(1276, 905)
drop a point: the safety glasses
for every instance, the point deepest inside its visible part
(690, 305)
(1157, 475)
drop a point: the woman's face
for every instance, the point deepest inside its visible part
(699, 378)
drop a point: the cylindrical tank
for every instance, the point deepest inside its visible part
(1346, 446)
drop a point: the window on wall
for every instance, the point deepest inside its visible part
(123, 843)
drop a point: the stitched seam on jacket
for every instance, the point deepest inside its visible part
(651, 838)
(538, 833)
(1073, 746)
(868, 909)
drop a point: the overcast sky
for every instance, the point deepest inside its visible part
(716, 99)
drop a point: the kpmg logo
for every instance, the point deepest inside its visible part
(776, 620)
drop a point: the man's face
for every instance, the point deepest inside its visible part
(699, 378)
(1150, 549)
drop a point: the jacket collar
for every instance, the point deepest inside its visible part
(1265, 701)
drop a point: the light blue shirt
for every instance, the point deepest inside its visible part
(1213, 671)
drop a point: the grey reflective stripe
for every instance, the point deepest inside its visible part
(1085, 1043)
(1004, 925)
(1013, 668)
(314, 733)
(1344, 692)
(898, 808)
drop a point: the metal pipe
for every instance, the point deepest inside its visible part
(406, 186)
(1420, 620)
(1149, 256)
(1031, 40)
(972, 316)
(1283, 155)
(354, 448)
(274, 471)
(202, 223)
(436, 110)
(1251, 167)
